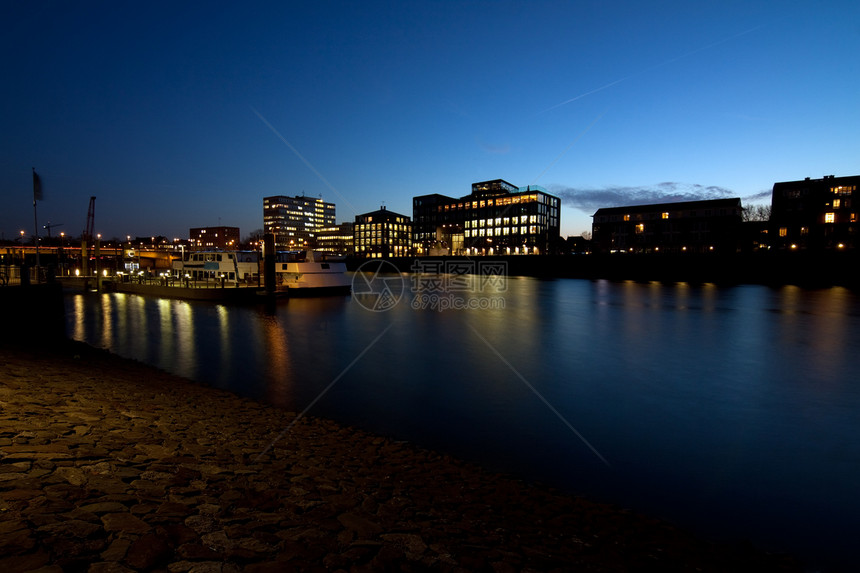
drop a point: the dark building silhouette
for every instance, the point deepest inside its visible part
(214, 237)
(815, 213)
(712, 225)
(382, 233)
(496, 218)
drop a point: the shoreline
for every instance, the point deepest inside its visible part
(810, 269)
(110, 464)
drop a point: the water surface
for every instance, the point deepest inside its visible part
(731, 411)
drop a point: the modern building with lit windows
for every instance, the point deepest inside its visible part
(295, 221)
(382, 233)
(337, 240)
(815, 213)
(214, 238)
(496, 218)
(711, 225)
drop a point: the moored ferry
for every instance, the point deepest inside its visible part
(232, 266)
(311, 272)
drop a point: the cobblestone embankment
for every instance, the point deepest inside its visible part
(109, 465)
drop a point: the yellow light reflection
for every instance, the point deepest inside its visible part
(79, 329)
(279, 374)
(107, 321)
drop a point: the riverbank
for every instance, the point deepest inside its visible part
(109, 465)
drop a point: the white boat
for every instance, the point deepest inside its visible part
(311, 272)
(233, 267)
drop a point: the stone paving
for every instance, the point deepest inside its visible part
(109, 465)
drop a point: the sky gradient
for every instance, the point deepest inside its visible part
(180, 115)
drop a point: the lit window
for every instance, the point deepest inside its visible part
(829, 217)
(665, 215)
(626, 217)
(783, 231)
(640, 228)
(837, 203)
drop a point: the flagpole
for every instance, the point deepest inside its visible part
(37, 191)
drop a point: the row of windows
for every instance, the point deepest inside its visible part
(499, 202)
(831, 217)
(666, 215)
(210, 257)
(365, 244)
(843, 189)
(202, 275)
(379, 226)
(385, 219)
(501, 231)
(505, 221)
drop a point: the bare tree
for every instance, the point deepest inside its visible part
(756, 213)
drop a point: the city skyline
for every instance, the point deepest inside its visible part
(187, 116)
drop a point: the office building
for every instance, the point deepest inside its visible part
(295, 221)
(382, 233)
(496, 218)
(337, 240)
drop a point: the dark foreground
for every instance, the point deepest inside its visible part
(109, 465)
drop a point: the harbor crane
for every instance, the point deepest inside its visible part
(50, 226)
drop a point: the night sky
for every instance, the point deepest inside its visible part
(179, 115)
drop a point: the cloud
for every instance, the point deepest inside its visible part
(503, 149)
(590, 200)
(761, 196)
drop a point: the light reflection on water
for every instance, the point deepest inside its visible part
(732, 410)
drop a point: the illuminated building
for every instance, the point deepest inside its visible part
(337, 240)
(815, 213)
(686, 226)
(497, 218)
(214, 237)
(294, 221)
(382, 233)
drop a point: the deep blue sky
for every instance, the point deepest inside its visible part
(182, 114)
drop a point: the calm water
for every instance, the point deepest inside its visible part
(731, 411)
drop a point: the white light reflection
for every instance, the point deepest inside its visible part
(224, 336)
(185, 347)
(165, 322)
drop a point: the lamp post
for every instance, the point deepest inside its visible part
(98, 256)
(61, 258)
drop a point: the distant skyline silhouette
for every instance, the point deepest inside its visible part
(180, 116)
